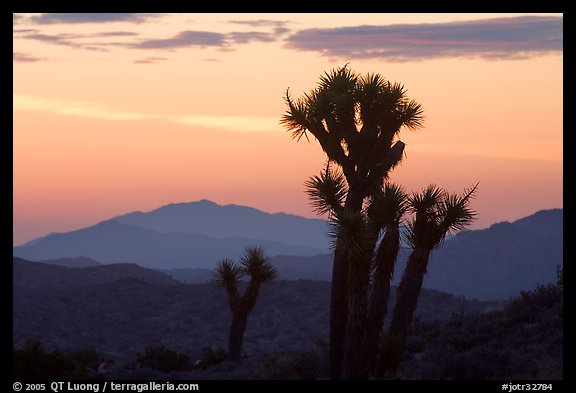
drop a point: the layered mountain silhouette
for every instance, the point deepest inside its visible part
(42, 275)
(490, 264)
(186, 240)
(225, 221)
(500, 261)
(72, 262)
(112, 241)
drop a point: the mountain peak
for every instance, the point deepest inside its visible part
(231, 221)
(546, 222)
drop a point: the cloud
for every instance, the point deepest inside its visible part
(72, 40)
(97, 111)
(26, 58)
(149, 60)
(249, 36)
(114, 34)
(22, 31)
(90, 18)
(222, 41)
(502, 38)
(16, 18)
(261, 22)
(182, 40)
(64, 40)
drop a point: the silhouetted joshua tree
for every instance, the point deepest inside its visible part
(255, 264)
(436, 213)
(370, 240)
(356, 119)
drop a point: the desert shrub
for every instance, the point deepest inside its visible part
(162, 359)
(211, 357)
(526, 307)
(476, 364)
(560, 277)
(88, 357)
(304, 364)
(32, 362)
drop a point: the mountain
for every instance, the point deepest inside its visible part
(225, 221)
(111, 241)
(71, 262)
(545, 222)
(490, 264)
(502, 260)
(41, 275)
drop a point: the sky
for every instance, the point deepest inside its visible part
(114, 113)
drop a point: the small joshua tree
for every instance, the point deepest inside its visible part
(255, 264)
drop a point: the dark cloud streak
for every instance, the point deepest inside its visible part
(502, 38)
(182, 40)
(90, 18)
(261, 23)
(149, 60)
(65, 40)
(26, 58)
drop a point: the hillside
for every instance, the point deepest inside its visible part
(71, 262)
(121, 317)
(41, 275)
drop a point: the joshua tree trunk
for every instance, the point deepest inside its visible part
(236, 336)
(338, 298)
(408, 293)
(385, 260)
(353, 365)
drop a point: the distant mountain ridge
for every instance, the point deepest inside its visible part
(225, 221)
(111, 241)
(42, 275)
(492, 263)
(500, 261)
(495, 263)
(71, 262)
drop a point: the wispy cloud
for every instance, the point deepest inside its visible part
(149, 60)
(91, 18)
(113, 34)
(250, 36)
(98, 111)
(185, 39)
(65, 40)
(502, 38)
(261, 22)
(23, 31)
(26, 58)
(182, 40)
(16, 18)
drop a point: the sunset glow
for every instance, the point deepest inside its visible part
(115, 113)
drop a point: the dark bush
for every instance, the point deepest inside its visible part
(88, 357)
(211, 357)
(477, 364)
(307, 364)
(32, 362)
(162, 359)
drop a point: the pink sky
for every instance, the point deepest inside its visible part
(116, 113)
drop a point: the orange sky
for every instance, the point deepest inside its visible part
(116, 113)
